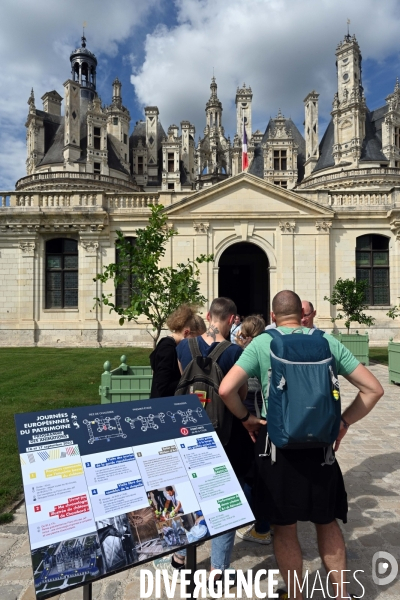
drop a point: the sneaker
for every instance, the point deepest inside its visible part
(164, 564)
(249, 534)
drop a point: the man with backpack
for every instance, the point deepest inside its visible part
(204, 361)
(301, 481)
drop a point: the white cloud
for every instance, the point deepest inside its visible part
(283, 49)
(35, 43)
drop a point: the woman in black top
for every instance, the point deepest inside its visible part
(183, 322)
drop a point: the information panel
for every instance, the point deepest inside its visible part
(112, 486)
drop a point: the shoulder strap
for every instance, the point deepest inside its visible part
(194, 347)
(274, 332)
(316, 332)
(218, 350)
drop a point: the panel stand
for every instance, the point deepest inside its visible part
(191, 563)
(87, 592)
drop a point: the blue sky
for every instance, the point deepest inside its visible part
(164, 53)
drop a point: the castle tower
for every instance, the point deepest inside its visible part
(152, 113)
(213, 109)
(118, 121)
(83, 70)
(244, 97)
(311, 131)
(349, 106)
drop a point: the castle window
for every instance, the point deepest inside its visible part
(397, 137)
(171, 186)
(280, 160)
(61, 273)
(125, 138)
(124, 289)
(282, 184)
(171, 162)
(97, 168)
(115, 120)
(140, 165)
(372, 265)
(96, 138)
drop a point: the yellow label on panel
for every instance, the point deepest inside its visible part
(64, 472)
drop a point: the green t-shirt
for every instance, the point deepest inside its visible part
(255, 358)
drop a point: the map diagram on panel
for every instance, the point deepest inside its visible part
(104, 429)
(149, 422)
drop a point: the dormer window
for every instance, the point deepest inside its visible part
(280, 160)
(171, 166)
(96, 138)
(397, 137)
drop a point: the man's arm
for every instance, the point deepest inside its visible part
(232, 386)
(370, 391)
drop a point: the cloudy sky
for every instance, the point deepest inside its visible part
(164, 53)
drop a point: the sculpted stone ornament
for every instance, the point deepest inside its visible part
(27, 247)
(90, 247)
(395, 227)
(287, 226)
(201, 227)
(323, 225)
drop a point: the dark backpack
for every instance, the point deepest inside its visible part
(303, 395)
(203, 374)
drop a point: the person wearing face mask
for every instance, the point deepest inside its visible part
(183, 323)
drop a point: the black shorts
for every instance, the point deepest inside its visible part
(297, 487)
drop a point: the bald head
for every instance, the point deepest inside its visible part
(286, 307)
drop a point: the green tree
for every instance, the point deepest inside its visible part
(350, 294)
(155, 291)
(393, 312)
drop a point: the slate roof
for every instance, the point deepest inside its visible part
(139, 133)
(372, 144)
(257, 164)
(54, 127)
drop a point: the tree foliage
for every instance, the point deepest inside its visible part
(349, 294)
(155, 291)
(393, 312)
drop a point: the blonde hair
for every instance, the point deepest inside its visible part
(252, 326)
(186, 316)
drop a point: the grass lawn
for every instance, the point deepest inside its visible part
(380, 355)
(42, 378)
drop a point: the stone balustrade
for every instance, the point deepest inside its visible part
(356, 174)
(360, 199)
(105, 200)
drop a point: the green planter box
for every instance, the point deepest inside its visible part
(394, 361)
(125, 383)
(357, 343)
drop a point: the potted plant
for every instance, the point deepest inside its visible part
(350, 295)
(394, 350)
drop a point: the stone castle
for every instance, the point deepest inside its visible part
(304, 213)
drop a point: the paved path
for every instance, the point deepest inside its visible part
(370, 459)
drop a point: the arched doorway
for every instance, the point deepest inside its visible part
(244, 276)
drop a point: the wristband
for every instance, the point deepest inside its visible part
(245, 418)
(345, 423)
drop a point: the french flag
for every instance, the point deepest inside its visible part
(245, 158)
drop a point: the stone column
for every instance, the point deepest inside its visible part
(286, 258)
(88, 289)
(201, 246)
(27, 281)
(323, 275)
